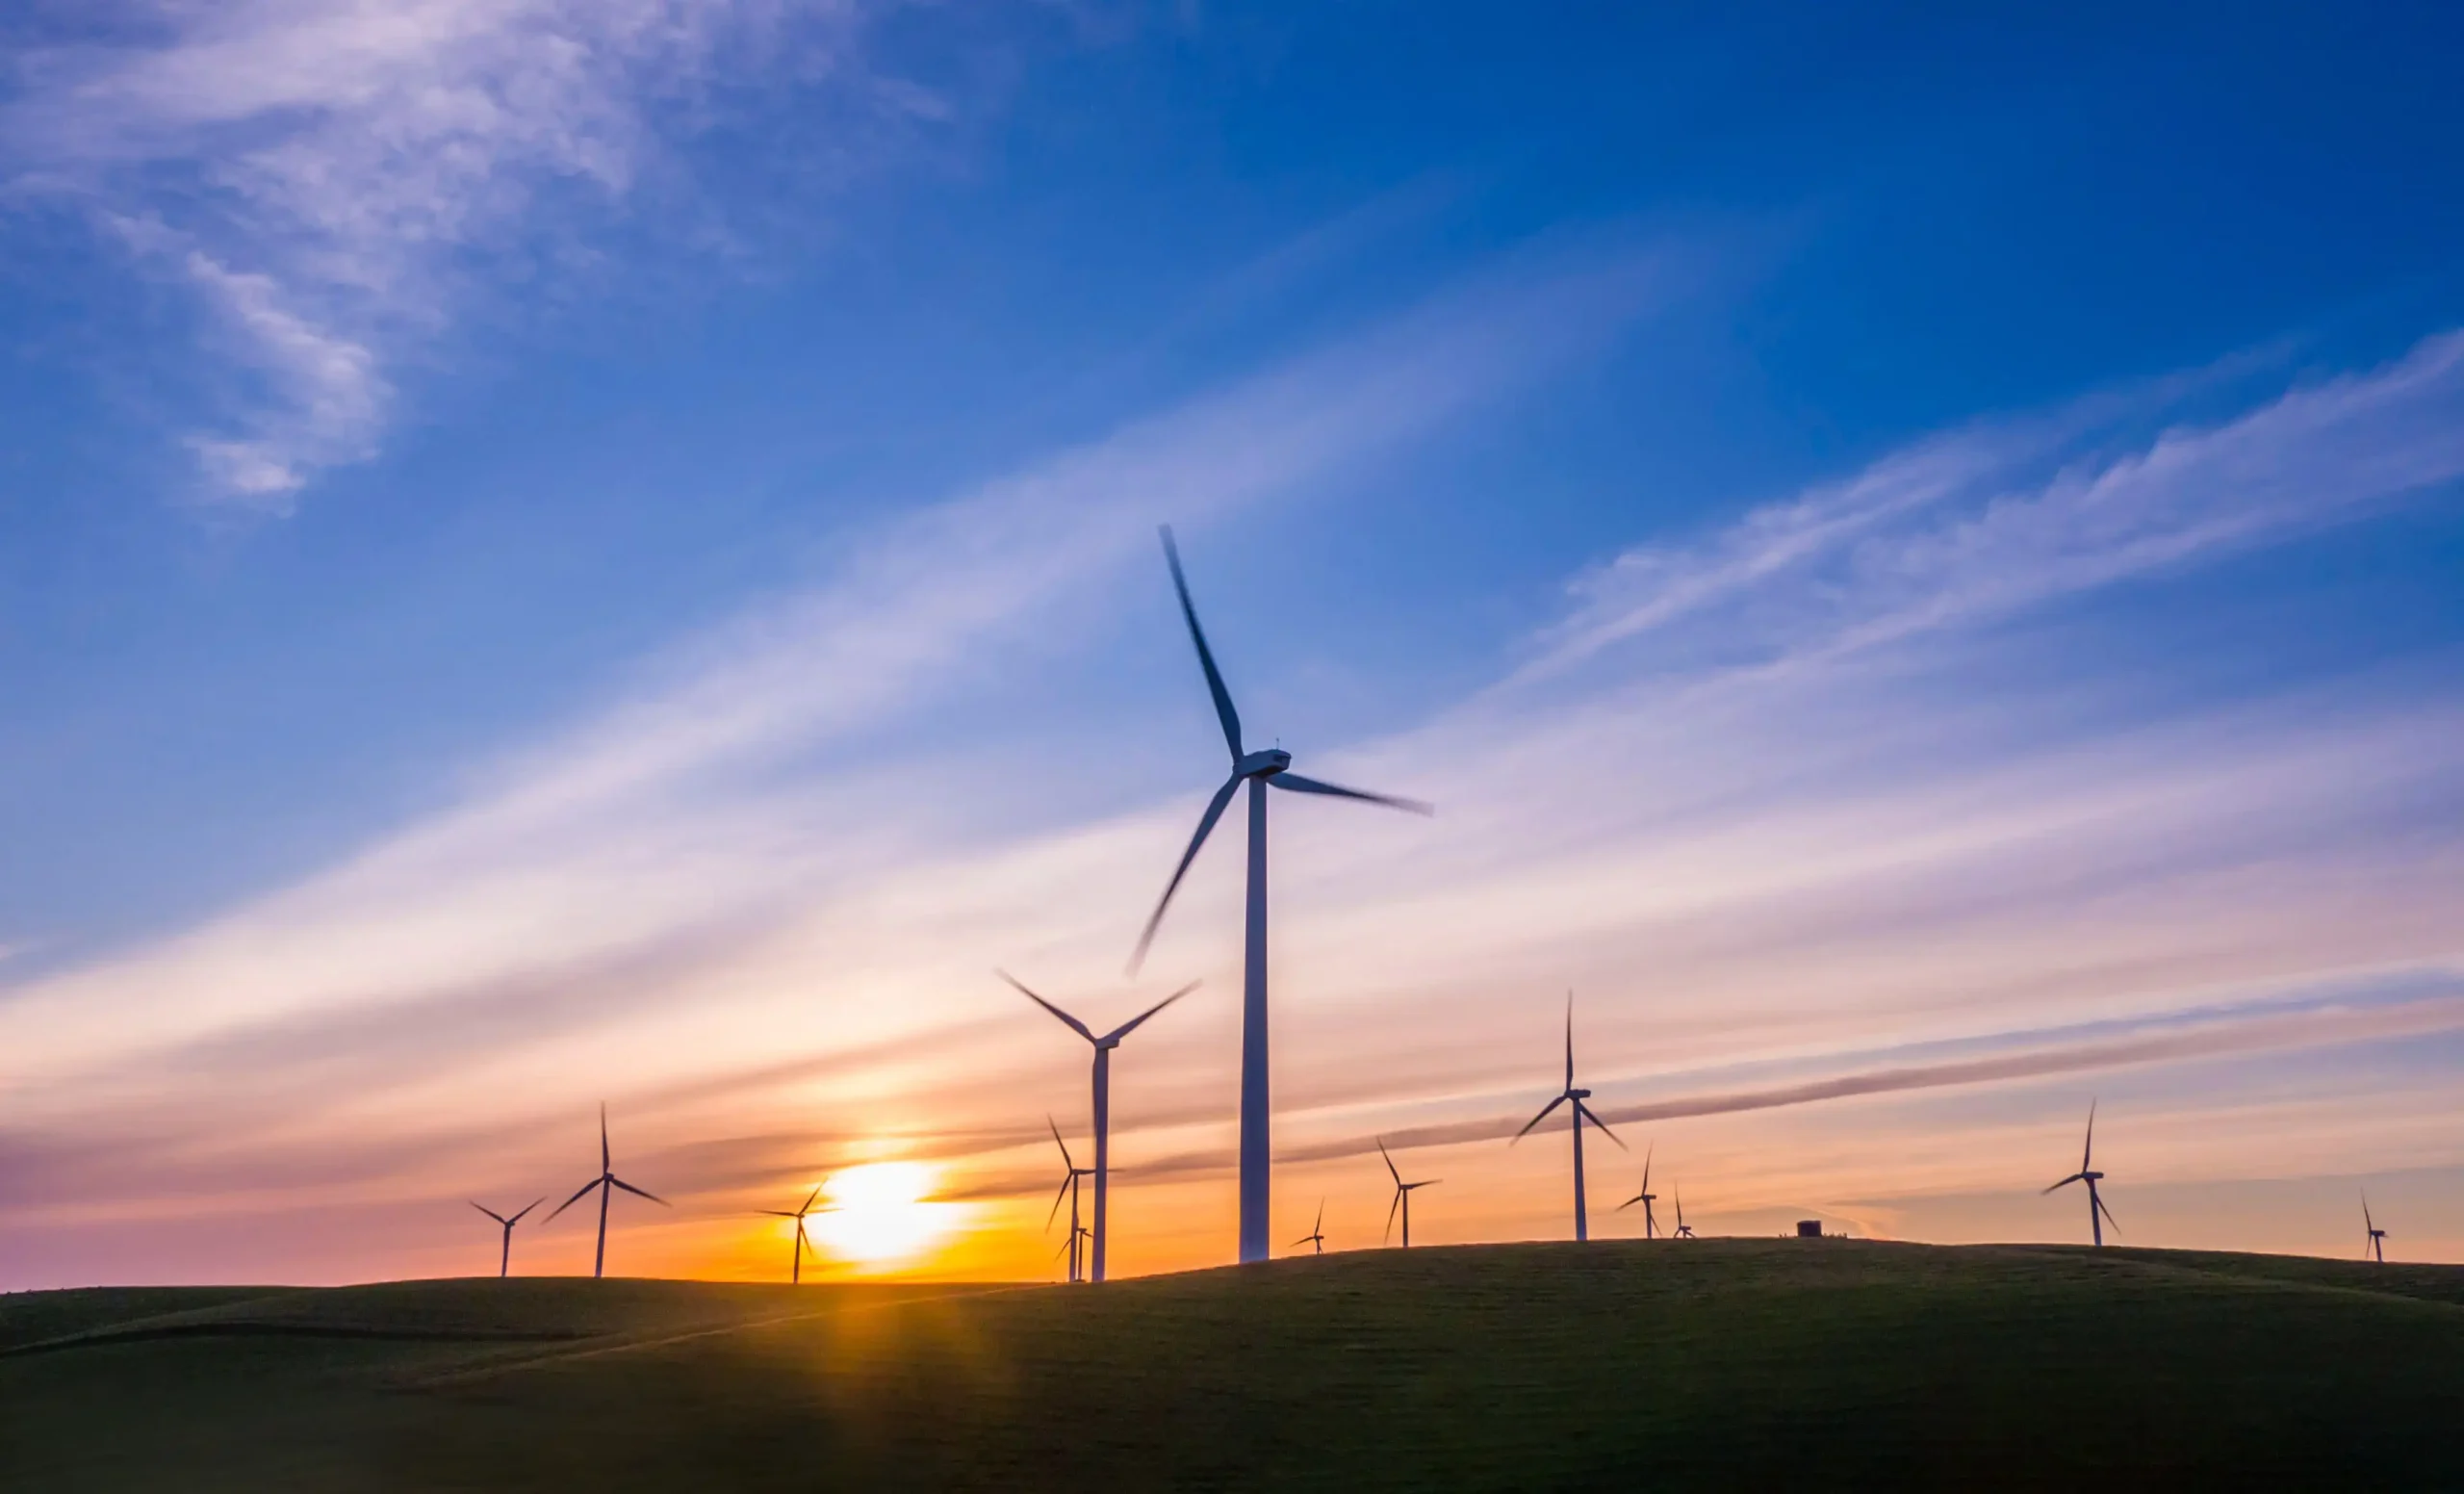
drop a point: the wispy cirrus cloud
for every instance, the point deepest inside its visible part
(335, 181)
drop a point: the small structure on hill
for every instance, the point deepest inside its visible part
(1808, 1229)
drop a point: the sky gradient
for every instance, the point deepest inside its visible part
(559, 553)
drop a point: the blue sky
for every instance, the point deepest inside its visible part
(534, 532)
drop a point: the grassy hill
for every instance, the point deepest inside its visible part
(1728, 1364)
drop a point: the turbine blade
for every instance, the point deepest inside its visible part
(1390, 1162)
(1131, 1025)
(604, 1162)
(1065, 1159)
(1223, 711)
(814, 1198)
(499, 1217)
(1389, 1232)
(1583, 1110)
(1537, 1119)
(1205, 824)
(1647, 1166)
(1570, 1040)
(2089, 1151)
(1075, 1025)
(2065, 1183)
(1066, 1184)
(526, 1208)
(2109, 1215)
(1300, 784)
(641, 1193)
(579, 1194)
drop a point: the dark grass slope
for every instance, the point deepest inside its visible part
(1731, 1364)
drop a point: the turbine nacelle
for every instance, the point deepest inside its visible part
(1262, 765)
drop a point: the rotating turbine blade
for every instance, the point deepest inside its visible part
(810, 1202)
(1647, 1168)
(1537, 1119)
(501, 1219)
(641, 1193)
(2076, 1177)
(1074, 1024)
(1205, 824)
(1131, 1025)
(1582, 1112)
(1300, 784)
(579, 1194)
(1570, 1040)
(1065, 1159)
(526, 1208)
(1389, 1232)
(2089, 1151)
(2108, 1213)
(1223, 711)
(1390, 1162)
(1066, 1183)
(606, 1164)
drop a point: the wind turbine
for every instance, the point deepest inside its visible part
(2374, 1248)
(1259, 769)
(1684, 1230)
(1316, 1234)
(1068, 1188)
(606, 1182)
(796, 1267)
(1104, 1046)
(505, 1257)
(1581, 1112)
(1402, 1197)
(2098, 1216)
(1643, 1197)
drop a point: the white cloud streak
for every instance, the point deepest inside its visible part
(323, 174)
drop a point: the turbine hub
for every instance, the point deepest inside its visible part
(1578, 1094)
(1263, 765)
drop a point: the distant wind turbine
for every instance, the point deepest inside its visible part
(1070, 1191)
(606, 1182)
(1578, 1116)
(1316, 1234)
(1103, 1084)
(2098, 1216)
(505, 1256)
(1646, 1197)
(2374, 1248)
(1258, 769)
(796, 1265)
(1402, 1197)
(1684, 1230)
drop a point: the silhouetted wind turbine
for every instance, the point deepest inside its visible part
(1684, 1230)
(606, 1182)
(1402, 1197)
(1103, 1084)
(505, 1257)
(2374, 1248)
(2098, 1216)
(1316, 1234)
(796, 1267)
(1069, 1190)
(1643, 1197)
(1258, 769)
(1580, 1113)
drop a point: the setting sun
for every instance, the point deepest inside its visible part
(880, 1215)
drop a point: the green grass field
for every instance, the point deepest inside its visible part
(1721, 1363)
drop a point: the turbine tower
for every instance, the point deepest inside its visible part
(1643, 1197)
(505, 1256)
(2374, 1243)
(796, 1264)
(1580, 1113)
(1104, 1046)
(1316, 1234)
(2098, 1216)
(1258, 769)
(1684, 1230)
(1069, 1189)
(1402, 1197)
(606, 1182)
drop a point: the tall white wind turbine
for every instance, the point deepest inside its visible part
(1103, 1083)
(1267, 766)
(1069, 1190)
(1570, 1096)
(2098, 1216)
(2374, 1240)
(796, 1266)
(1402, 1196)
(1646, 1197)
(606, 1182)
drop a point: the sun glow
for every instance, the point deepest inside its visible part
(880, 1214)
